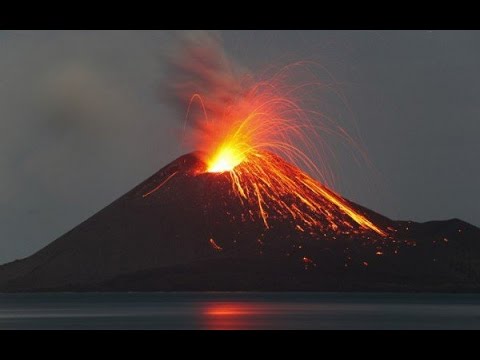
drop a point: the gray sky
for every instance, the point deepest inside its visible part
(82, 120)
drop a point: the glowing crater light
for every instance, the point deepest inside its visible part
(226, 159)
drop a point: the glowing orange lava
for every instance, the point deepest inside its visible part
(243, 140)
(225, 159)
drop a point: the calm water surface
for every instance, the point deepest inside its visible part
(239, 310)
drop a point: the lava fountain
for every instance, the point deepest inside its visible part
(242, 128)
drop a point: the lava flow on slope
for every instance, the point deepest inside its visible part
(259, 136)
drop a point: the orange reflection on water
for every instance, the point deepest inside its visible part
(233, 315)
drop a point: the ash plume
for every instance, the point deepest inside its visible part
(200, 70)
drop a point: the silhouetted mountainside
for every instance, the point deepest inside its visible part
(181, 230)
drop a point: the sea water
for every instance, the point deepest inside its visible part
(239, 310)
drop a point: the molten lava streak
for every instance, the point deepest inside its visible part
(279, 189)
(244, 140)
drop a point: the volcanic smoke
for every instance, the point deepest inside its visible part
(242, 128)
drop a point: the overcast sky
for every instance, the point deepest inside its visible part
(82, 120)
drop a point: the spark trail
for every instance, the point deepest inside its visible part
(243, 142)
(243, 128)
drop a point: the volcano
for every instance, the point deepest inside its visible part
(187, 229)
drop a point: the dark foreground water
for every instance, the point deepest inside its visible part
(239, 311)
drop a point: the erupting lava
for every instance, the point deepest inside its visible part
(241, 143)
(243, 128)
(226, 159)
